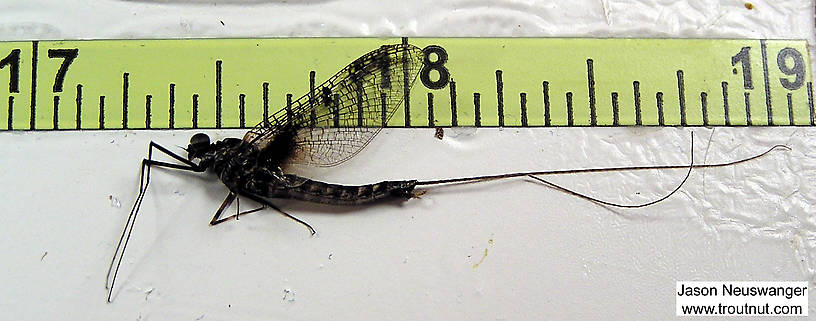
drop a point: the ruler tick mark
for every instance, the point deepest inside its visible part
(218, 70)
(593, 117)
(452, 85)
(265, 93)
(810, 103)
(546, 91)
(569, 109)
(171, 122)
(241, 111)
(790, 108)
(101, 112)
(195, 110)
(704, 107)
(615, 111)
(359, 106)
(406, 85)
(78, 106)
(477, 110)
(56, 112)
(725, 103)
(10, 112)
(748, 109)
(523, 102)
(33, 106)
(312, 115)
(383, 108)
(636, 91)
(430, 110)
(289, 114)
(500, 97)
(764, 50)
(681, 97)
(659, 98)
(148, 112)
(336, 110)
(125, 85)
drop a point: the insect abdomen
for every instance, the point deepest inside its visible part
(335, 194)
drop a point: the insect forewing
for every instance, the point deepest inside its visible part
(343, 114)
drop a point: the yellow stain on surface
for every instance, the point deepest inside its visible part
(484, 255)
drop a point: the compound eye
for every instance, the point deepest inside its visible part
(200, 139)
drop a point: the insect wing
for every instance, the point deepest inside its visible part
(342, 115)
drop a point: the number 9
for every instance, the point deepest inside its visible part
(798, 68)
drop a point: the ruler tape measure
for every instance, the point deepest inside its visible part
(232, 83)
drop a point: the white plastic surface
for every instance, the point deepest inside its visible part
(505, 250)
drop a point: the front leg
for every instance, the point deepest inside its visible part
(144, 182)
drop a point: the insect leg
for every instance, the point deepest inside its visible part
(238, 209)
(144, 181)
(227, 201)
(269, 204)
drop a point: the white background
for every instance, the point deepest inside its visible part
(543, 254)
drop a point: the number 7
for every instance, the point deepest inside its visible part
(68, 55)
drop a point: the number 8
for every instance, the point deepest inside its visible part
(438, 65)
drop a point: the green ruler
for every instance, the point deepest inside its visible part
(232, 83)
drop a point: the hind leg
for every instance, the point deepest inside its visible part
(225, 204)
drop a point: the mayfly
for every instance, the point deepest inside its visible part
(325, 127)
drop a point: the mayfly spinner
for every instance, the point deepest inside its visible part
(325, 127)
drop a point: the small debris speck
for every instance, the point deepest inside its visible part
(222, 22)
(749, 6)
(43, 256)
(288, 295)
(114, 202)
(439, 133)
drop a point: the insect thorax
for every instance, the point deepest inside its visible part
(217, 155)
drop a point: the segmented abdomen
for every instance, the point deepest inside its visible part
(336, 194)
